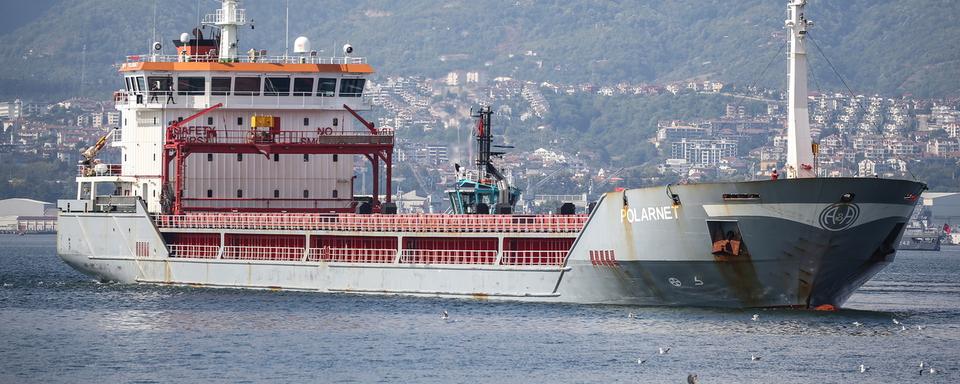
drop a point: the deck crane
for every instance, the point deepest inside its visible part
(91, 152)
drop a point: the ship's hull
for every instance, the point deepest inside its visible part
(797, 243)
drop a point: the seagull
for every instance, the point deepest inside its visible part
(903, 328)
(754, 358)
(641, 361)
(663, 351)
(863, 368)
(857, 324)
(755, 317)
(919, 327)
(692, 379)
(631, 315)
(444, 315)
(922, 365)
(895, 321)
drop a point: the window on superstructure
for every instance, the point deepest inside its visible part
(306, 194)
(220, 86)
(209, 157)
(190, 85)
(141, 85)
(239, 157)
(327, 87)
(276, 157)
(239, 193)
(336, 121)
(276, 193)
(246, 86)
(239, 121)
(306, 157)
(209, 193)
(335, 157)
(335, 193)
(306, 121)
(302, 86)
(209, 120)
(351, 87)
(160, 84)
(276, 86)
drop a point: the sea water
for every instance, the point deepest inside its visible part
(57, 325)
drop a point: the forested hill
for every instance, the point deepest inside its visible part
(890, 47)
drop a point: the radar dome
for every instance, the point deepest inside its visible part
(184, 37)
(301, 45)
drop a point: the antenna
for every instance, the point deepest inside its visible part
(286, 35)
(154, 20)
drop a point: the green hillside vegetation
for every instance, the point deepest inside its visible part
(881, 46)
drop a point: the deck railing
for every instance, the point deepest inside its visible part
(194, 251)
(447, 256)
(262, 253)
(533, 257)
(376, 223)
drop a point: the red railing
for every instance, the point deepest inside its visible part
(327, 135)
(376, 223)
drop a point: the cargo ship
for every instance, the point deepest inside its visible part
(237, 171)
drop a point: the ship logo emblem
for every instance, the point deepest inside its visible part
(839, 216)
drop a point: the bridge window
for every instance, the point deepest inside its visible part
(160, 84)
(276, 86)
(351, 87)
(246, 86)
(302, 86)
(190, 86)
(220, 86)
(129, 84)
(141, 87)
(327, 87)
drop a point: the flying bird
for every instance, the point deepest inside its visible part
(754, 358)
(863, 368)
(444, 315)
(857, 324)
(755, 317)
(663, 351)
(895, 321)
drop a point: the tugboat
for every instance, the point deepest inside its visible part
(237, 171)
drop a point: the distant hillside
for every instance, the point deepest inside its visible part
(880, 46)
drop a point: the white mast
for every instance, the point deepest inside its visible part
(227, 18)
(799, 151)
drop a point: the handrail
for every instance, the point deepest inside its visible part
(194, 251)
(533, 257)
(420, 223)
(242, 58)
